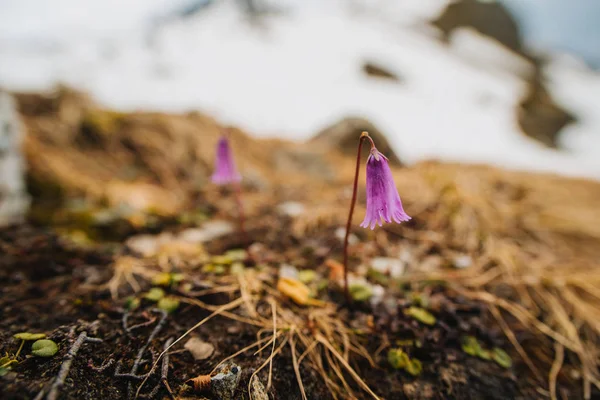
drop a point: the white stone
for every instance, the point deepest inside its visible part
(340, 233)
(291, 208)
(463, 261)
(393, 266)
(288, 271)
(14, 200)
(207, 232)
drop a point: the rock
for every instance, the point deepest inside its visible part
(394, 267)
(207, 232)
(491, 19)
(377, 71)
(538, 114)
(343, 135)
(340, 233)
(225, 381)
(462, 261)
(14, 200)
(148, 245)
(200, 349)
(257, 389)
(288, 271)
(291, 208)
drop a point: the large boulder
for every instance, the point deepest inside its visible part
(343, 136)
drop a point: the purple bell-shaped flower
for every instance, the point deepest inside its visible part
(225, 169)
(383, 200)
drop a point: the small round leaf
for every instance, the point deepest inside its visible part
(168, 304)
(44, 348)
(501, 357)
(155, 294)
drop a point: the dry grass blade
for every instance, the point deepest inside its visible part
(556, 366)
(347, 366)
(125, 269)
(274, 312)
(333, 365)
(227, 314)
(237, 353)
(513, 339)
(296, 365)
(268, 360)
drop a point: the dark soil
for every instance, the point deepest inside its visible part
(42, 279)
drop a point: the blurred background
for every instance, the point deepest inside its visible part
(512, 83)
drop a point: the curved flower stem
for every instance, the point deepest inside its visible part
(363, 136)
(237, 188)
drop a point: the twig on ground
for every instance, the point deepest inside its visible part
(129, 376)
(66, 366)
(164, 373)
(105, 365)
(129, 329)
(140, 354)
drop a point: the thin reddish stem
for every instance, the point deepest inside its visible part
(363, 136)
(237, 189)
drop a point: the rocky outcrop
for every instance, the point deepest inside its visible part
(539, 116)
(491, 19)
(343, 135)
(14, 200)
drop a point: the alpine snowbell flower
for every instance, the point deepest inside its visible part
(226, 173)
(383, 200)
(225, 169)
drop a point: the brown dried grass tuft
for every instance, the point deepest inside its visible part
(535, 245)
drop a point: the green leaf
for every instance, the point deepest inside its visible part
(378, 277)
(360, 292)
(236, 254)
(307, 275)
(169, 304)
(501, 358)
(131, 303)
(420, 299)
(484, 354)
(414, 367)
(44, 348)
(162, 279)
(222, 260)
(29, 336)
(421, 315)
(471, 346)
(155, 294)
(397, 358)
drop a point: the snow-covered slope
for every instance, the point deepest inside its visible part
(295, 72)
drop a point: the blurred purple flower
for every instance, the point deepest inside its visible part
(225, 170)
(383, 200)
